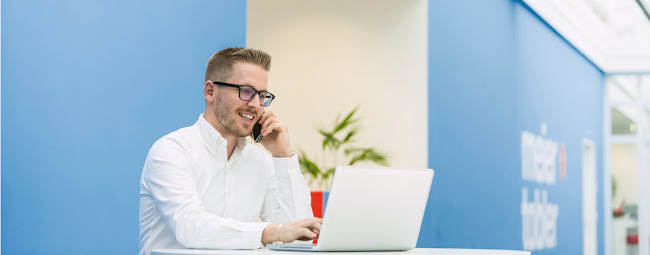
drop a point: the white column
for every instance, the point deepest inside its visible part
(607, 171)
(642, 181)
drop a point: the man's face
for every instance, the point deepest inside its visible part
(233, 113)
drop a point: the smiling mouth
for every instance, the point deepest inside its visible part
(246, 116)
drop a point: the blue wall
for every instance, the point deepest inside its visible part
(87, 88)
(109, 78)
(496, 70)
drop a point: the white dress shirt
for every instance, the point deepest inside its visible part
(192, 196)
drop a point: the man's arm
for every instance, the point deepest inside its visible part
(303, 230)
(288, 197)
(167, 175)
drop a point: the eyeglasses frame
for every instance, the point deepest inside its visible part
(239, 87)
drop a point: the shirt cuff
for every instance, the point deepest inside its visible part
(286, 166)
(253, 232)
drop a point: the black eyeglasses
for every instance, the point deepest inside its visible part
(247, 93)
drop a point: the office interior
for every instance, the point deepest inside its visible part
(534, 114)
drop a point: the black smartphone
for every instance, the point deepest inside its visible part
(257, 132)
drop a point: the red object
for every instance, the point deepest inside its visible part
(317, 203)
(618, 212)
(562, 162)
(317, 206)
(633, 239)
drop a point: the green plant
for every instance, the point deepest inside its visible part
(339, 142)
(614, 186)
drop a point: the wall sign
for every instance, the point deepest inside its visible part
(539, 171)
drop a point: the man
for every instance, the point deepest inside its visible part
(203, 186)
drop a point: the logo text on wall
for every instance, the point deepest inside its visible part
(539, 167)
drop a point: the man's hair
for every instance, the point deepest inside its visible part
(220, 64)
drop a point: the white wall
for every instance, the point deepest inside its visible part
(625, 169)
(331, 55)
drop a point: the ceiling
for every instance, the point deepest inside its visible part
(613, 34)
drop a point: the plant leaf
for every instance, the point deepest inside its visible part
(327, 173)
(348, 137)
(308, 166)
(366, 154)
(349, 120)
(329, 140)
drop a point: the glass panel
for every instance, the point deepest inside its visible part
(645, 88)
(647, 195)
(622, 88)
(624, 119)
(624, 198)
(646, 116)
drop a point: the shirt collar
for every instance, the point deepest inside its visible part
(213, 139)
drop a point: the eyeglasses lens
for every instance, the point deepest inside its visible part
(246, 93)
(265, 98)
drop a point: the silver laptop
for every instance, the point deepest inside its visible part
(371, 209)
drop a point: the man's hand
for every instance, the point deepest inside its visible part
(276, 135)
(303, 230)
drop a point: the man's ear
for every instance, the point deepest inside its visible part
(209, 91)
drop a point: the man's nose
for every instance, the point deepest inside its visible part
(255, 101)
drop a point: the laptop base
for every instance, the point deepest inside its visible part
(292, 247)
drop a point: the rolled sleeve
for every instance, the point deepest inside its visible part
(293, 198)
(253, 233)
(286, 167)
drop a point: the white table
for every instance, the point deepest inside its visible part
(418, 251)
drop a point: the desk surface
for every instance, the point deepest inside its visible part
(418, 251)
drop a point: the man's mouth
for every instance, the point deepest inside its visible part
(247, 115)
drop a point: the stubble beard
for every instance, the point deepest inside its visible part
(228, 119)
